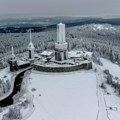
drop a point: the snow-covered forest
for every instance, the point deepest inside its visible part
(102, 39)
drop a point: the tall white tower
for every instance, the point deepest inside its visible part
(31, 47)
(61, 33)
(61, 52)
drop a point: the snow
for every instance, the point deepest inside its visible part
(31, 46)
(4, 111)
(74, 58)
(103, 27)
(20, 62)
(112, 99)
(78, 54)
(47, 53)
(64, 96)
(75, 54)
(5, 74)
(66, 63)
(88, 53)
(99, 27)
(72, 96)
(113, 68)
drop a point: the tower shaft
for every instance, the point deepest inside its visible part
(61, 52)
(61, 33)
(31, 47)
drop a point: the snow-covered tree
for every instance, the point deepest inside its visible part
(13, 113)
(8, 85)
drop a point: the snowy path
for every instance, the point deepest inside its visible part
(102, 114)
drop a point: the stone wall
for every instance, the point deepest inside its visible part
(86, 66)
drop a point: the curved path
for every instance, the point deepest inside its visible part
(16, 85)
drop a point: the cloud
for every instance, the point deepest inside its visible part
(60, 7)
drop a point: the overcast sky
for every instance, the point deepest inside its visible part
(61, 7)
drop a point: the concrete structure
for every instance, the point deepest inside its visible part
(74, 62)
(69, 68)
(31, 47)
(61, 51)
(16, 65)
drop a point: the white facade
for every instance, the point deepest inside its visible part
(61, 45)
(31, 47)
(61, 33)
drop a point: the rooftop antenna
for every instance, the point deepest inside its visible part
(12, 51)
(13, 55)
(30, 36)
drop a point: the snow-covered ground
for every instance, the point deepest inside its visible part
(113, 68)
(64, 96)
(73, 95)
(112, 99)
(26, 109)
(5, 74)
(6, 78)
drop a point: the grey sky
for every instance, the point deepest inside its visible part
(61, 7)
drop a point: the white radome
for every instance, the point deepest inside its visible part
(31, 46)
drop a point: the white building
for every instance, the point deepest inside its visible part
(31, 47)
(61, 51)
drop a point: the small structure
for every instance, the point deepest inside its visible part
(74, 62)
(13, 61)
(59, 60)
(47, 54)
(31, 47)
(16, 65)
(61, 52)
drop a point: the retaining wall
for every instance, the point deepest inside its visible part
(86, 66)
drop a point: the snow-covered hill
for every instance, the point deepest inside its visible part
(74, 95)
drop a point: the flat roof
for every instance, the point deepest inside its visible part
(47, 53)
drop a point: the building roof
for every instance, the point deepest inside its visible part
(47, 53)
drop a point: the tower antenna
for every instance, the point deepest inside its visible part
(12, 51)
(30, 36)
